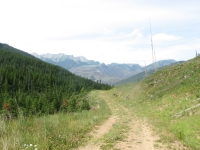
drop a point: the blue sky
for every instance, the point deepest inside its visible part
(103, 30)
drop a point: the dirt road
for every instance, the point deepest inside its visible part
(128, 131)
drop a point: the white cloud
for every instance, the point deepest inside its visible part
(165, 37)
(135, 33)
(107, 31)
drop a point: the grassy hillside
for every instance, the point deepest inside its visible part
(170, 100)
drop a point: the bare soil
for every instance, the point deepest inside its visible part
(140, 135)
(98, 133)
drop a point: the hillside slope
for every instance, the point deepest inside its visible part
(14, 50)
(170, 100)
(110, 73)
(147, 72)
(107, 73)
(35, 87)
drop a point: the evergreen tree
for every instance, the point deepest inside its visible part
(35, 87)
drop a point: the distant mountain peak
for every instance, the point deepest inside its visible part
(94, 70)
(66, 61)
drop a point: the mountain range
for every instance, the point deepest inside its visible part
(107, 73)
(65, 61)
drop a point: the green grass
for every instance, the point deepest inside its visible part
(157, 99)
(59, 131)
(120, 127)
(162, 95)
(116, 134)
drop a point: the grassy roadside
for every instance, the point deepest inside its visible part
(59, 131)
(158, 99)
(165, 99)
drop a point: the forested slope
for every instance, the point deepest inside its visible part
(32, 86)
(14, 50)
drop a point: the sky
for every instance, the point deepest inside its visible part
(103, 30)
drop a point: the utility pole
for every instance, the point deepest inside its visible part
(153, 52)
(146, 70)
(155, 58)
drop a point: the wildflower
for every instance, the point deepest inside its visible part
(35, 145)
(31, 144)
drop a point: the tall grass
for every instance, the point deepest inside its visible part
(176, 89)
(58, 131)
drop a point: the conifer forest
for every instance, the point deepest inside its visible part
(33, 87)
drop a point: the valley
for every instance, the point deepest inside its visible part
(107, 73)
(159, 112)
(100, 75)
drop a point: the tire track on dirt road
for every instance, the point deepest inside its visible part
(138, 135)
(100, 131)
